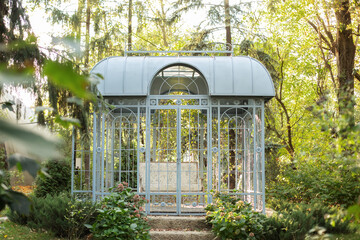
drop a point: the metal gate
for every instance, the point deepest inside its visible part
(175, 146)
(177, 157)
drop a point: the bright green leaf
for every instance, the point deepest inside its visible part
(64, 75)
(88, 226)
(66, 122)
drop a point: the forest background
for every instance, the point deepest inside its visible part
(310, 47)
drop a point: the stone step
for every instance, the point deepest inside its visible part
(177, 223)
(181, 235)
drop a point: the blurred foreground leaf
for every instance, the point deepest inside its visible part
(67, 122)
(8, 105)
(16, 201)
(76, 100)
(24, 164)
(63, 75)
(13, 77)
(43, 108)
(35, 143)
(20, 203)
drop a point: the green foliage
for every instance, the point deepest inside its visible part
(78, 214)
(234, 219)
(330, 182)
(354, 212)
(295, 221)
(121, 216)
(59, 214)
(59, 179)
(46, 213)
(64, 75)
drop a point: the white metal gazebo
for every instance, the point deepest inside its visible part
(176, 128)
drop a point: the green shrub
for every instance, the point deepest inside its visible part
(329, 182)
(49, 213)
(295, 221)
(121, 216)
(59, 180)
(59, 214)
(78, 214)
(232, 218)
(46, 213)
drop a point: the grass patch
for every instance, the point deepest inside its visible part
(354, 236)
(10, 230)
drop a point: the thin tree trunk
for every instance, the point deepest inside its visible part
(78, 30)
(232, 159)
(87, 37)
(130, 26)
(227, 25)
(39, 103)
(163, 23)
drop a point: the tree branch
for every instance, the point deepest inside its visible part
(321, 35)
(357, 75)
(328, 33)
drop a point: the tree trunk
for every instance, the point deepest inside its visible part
(130, 26)
(232, 159)
(78, 30)
(345, 54)
(39, 103)
(227, 26)
(87, 37)
(163, 23)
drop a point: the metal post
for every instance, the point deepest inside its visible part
(73, 155)
(147, 164)
(209, 152)
(263, 153)
(178, 161)
(102, 156)
(94, 158)
(254, 157)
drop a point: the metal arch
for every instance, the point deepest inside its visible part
(117, 108)
(239, 107)
(194, 69)
(188, 90)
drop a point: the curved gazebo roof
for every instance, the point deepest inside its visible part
(224, 75)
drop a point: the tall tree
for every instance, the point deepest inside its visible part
(339, 41)
(227, 24)
(130, 24)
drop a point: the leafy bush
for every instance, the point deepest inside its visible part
(78, 214)
(121, 216)
(46, 213)
(329, 182)
(59, 180)
(234, 219)
(59, 214)
(295, 221)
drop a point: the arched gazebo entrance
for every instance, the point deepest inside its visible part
(177, 128)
